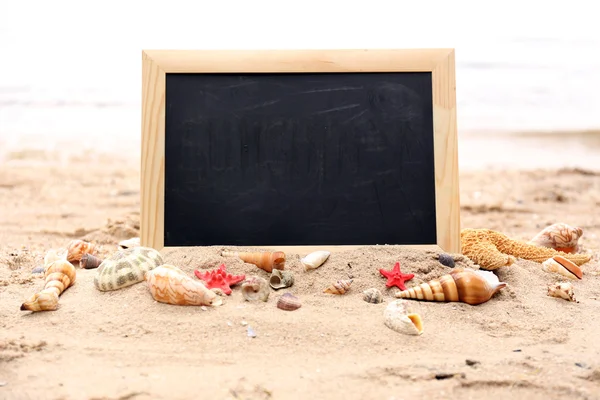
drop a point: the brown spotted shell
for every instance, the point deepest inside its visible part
(288, 302)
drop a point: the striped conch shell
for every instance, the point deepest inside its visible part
(264, 260)
(168, 284)
(560, 237)
(463, 285)
(340, 287)
(77, 248)
(315, 259)
(60, 274)
(562, 290)
(398, 317)
(562, 266)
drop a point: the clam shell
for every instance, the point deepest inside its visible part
(255, 289)
(398, 317)
(281, 279)
(315, 259)
(372, 296)
(288, 302)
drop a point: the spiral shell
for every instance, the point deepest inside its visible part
(372, 296)
(288, 302)
(562, 290)
(60, 274)
(315, 259)
(89, 261)
(340, 287)
(464, 285)
(255, 288)
(77, 248)
(281, 279)
(398, 317)
(264, 260)
(168, 284)
(562, 266)
(560, 237)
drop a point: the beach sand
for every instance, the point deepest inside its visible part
(124, 345)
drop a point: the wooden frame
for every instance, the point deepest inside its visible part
(440, 62)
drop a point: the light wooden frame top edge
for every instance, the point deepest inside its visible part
(257, 61)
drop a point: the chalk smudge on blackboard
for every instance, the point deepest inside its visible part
(340, 108)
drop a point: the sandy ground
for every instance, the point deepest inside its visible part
(124, 345)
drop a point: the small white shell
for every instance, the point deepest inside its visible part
(398, 317)
(315, 259)
(562, 290)
(128, 243)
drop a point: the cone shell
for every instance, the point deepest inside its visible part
(78, 248)
(464, 285)
(281, 279)
(255, 289)
(89, 261)
(168, 284)
(315, 259)
(264, 260)
(562, 266)
(398, 317)
(560, 236)
(288, 302)
(372, 296)
(562, 290)
(340, 287)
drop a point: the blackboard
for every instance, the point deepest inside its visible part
(300, 157)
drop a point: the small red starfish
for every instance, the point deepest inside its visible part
(219, 278)
(395, 277)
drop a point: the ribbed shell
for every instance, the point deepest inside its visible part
(467, 286)
(288, 302)
(340, 287)
(168, 284)
(264, 260)
(60, 274)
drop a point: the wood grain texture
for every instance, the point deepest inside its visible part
(153, 155)
(440, 62)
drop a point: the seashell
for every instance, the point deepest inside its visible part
(89, 261)
(60, 275)
(563, 290)
(372, 296)
(315, 259)
(398, 317)
(77, 248)
(559, 236)
(263, 260)
(255, 288)
(445, 259)
(561, 265)
(340, 287)
(128, 243)
(464, 285)
(281, 279)
(168, 284)
(126, 267)
(288, 302)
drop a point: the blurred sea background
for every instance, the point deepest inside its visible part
(528, 72)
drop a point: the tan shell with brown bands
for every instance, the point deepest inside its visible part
(60, 274)
(340, 287)
(262, 259)
(460, 285)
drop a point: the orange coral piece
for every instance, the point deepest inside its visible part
(492, 250)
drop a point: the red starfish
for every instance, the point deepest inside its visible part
(219, 278)
(396, 277)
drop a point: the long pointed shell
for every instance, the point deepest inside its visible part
(559, 236)
(340, 287)
(562, 266)
(315, 259)
(168, 284)
(398, 317)
(60, 274)
(562, 290)
(255, 289)
(281, 279)
(464, 285)
(264, 260)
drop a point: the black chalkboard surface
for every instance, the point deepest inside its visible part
(299, 159)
